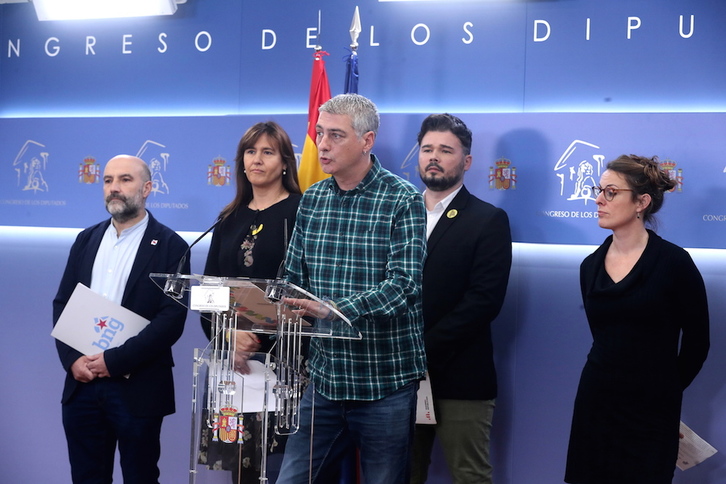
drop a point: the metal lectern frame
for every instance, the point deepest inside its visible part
(259, 306)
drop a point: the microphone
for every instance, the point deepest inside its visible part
(175, 285)
(274, 290)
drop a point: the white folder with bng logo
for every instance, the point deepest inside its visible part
(91, 324)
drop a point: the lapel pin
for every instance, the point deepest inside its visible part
(452, 213)
(154, 242)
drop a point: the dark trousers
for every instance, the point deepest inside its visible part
(95, 421)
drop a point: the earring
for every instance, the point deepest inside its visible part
(284, 172)
(637, 214)
(244, 171)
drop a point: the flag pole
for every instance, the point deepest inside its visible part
(351, 70)
(309, 171)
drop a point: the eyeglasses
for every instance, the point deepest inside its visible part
(609, 192)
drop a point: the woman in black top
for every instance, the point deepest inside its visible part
(252, 235)
(250, 241)
(642, 295)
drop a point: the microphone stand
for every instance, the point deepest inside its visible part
(176, 285)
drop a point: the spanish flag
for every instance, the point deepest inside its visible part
(309, 171)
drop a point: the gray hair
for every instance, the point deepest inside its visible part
(363, 113)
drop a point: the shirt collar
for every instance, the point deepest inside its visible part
(367, 180)
(141, 225)
(444, 202)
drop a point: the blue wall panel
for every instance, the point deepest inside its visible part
(551, 90)
(554, 159)
(221, 57)
(541, 341)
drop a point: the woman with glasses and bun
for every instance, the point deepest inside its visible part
(645, 303)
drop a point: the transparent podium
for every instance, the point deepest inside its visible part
(244, 404)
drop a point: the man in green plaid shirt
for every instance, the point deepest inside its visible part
(359, 241)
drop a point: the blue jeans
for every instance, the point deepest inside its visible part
(382, 430)
(95, 420)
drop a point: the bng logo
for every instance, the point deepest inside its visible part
(107, 328)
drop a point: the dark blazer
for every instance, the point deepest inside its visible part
(464, 282)
(147, 357)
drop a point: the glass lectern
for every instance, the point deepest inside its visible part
(233, 390)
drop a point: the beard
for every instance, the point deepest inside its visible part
(123, 208)
(440, 181)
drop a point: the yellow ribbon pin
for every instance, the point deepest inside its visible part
(257, 229)
(452, 213)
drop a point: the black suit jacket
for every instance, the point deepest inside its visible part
(464, 282)
(147, 357)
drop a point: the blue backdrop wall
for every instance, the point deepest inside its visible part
(551, 89)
